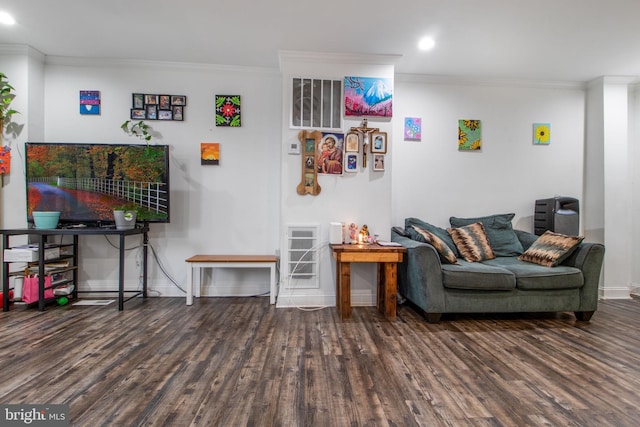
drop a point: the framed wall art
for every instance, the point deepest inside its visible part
(210, 153)
(412, 128)
(379, 142)
(90, 102)
(469, 135)
(228, 110)
(378, 162)
(310, 140)
(541, 133)
(330, 153)
(145, 106)
(368, 96)
(351, 162)
(352, 142)
(137, 101)
(164, 102)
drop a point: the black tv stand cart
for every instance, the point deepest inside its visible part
(76, 232)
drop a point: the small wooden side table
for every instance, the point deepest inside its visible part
(386, 257)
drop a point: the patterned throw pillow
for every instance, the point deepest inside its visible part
(472, 242)
(499, 229)
(551, 249)
(446, 254)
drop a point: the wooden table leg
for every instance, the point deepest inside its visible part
(380, 278)
(390, 289)
(189, 283)
(338, 275)
(345, 290)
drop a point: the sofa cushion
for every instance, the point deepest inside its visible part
(551, 249)
(440, 232)
(502, 237)
(536, 277)
(472, 242)
(477, 276)
(446, 254)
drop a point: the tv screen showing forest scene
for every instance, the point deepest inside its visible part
(86, 182)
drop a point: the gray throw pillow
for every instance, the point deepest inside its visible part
(502, 238)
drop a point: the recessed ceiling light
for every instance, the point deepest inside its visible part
(426, 43)
(6, 19)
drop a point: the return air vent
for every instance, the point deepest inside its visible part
(302, 257)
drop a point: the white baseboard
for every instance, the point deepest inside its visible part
(288, 300)
(96, 289)
(359, 298)
(615, 293)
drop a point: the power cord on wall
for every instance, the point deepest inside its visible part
(155, 257)
(315, 249)
(163, 268)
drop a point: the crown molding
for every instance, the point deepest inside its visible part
(341, 58)
(21, 50)
(489, 81)
(148, 64)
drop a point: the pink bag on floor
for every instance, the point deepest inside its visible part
(30, 289)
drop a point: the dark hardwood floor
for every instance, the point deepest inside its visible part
(240, 361)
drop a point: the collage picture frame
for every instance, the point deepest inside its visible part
(145, 106)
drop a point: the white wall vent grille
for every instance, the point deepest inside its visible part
(316, 103)
(302, 257)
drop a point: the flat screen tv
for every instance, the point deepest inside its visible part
(85, 182)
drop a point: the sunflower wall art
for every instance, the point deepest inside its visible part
(541, 133)
(469, 135)
(228, 110)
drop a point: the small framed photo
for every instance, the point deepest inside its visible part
(138, 113)
(151, 99)
(164, 102)
(352, 142)
(351, 162)
(309, 162)
(378, 162)
(178, 100)
(165, 115)
(137, 101)
(152, 112)
(379, 142)
(178, 112)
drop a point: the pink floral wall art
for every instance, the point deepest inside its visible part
(368, 96)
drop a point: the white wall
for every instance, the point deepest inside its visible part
(363, 197)
(634, 171)
(230, 208)
(245, 204)
(432, 180)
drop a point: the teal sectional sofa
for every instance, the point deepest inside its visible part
(505, 283)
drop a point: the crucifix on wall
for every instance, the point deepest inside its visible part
(366, 137)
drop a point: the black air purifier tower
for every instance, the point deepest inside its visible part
(559, 214)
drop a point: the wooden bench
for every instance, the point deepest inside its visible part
(230, 261)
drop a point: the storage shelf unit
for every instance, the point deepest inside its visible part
(64, 262)
(72, 257)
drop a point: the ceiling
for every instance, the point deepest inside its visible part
(559, 40)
